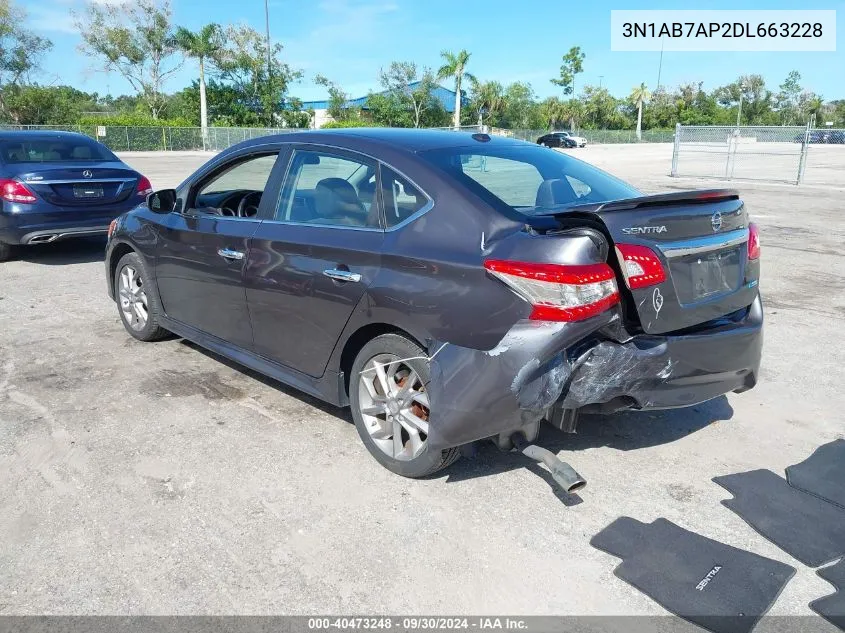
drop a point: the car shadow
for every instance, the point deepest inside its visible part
(338, 412)
(80, 250)
(626, 431)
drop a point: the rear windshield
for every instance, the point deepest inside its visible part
(529, 179)
(53, 151)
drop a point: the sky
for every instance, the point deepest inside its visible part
(350, 40)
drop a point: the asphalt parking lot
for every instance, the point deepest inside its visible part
(157, 479)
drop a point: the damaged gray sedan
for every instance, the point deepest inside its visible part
(448, 287)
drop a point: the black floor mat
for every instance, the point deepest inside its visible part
(806, 527)
(832, 607)
(713, 585)
(822, 473)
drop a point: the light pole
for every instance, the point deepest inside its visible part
(269, 61)
(742, 88)
(660, 65)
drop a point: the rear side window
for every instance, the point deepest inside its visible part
(401, 198)
(53, 151)
(514, 182)
(528, 178)
(324, 188)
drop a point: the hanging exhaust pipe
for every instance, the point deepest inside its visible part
(42, 239)
(562, 473)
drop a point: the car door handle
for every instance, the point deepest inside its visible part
(342, 275)
(228, 253)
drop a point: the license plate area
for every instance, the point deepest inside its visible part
(87, 191)
(706, 275)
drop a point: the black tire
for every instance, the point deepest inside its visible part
(151, 330)
(6, 251)
(426, 462)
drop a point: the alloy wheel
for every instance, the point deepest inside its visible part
(133, 299)
(395, 407)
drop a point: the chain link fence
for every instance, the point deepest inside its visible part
(595, 137)
(165, 138)
(138, 139)
(769, 153)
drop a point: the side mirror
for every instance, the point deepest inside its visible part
(163, 201)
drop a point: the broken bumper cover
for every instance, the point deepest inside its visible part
(476, 394)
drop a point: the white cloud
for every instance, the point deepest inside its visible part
(51, 19)
(54, 16)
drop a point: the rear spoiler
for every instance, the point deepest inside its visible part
(663, 199)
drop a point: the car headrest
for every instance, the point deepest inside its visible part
(335, 197)
(81, 152)
(16, 155)
(554, 192)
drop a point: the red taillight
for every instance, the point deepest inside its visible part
(753, 241)
(640, 265)
(14, 191)
(558, 292)
(145, 188)
(112, 227)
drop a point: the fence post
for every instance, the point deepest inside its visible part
(802, 160)
(676, 150)
(128, 146)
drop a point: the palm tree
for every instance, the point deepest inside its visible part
(487, 98)
(455, 66)
(640, 95)
(201, 45)
(815, 105)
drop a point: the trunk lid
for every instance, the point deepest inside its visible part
(80, 184)
(701, 240)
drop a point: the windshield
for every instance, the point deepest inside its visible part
(54, 151)
(529, 179)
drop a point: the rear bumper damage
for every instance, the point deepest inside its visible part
(476, 394)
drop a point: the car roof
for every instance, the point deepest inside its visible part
(402, 139)
(41, 135)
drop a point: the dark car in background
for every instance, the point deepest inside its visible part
(822, 136)
(448, 287)
(57, 185)
(562, 139)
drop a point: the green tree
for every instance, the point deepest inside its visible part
(294, 116)
(553, 112)
(385, 108)
(202, 45)
(407, 88)
(243, 64)
(756, 99)
(811, 106)
(573, 64)
(519, 109)
(137, 41)
(20, 51)
(786, 101)
(487, 98)
(837, 112)
(455, 66)
(639, 96)
(601, 109)
(339, 108)
(45, 105)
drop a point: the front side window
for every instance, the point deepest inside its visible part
(236, 190)
(54, 151)
(528, 178)
(401, 198)
(329, 189)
